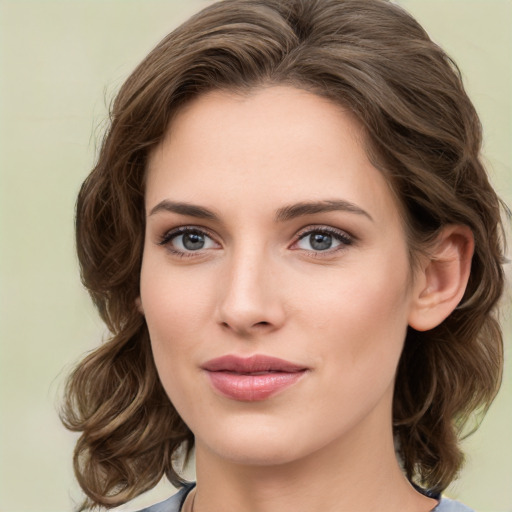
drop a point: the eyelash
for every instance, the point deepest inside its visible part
(341, 236)
(169, 236)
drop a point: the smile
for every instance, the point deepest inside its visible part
(252, 379)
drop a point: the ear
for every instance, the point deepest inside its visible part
(441, 282)
(138, 304)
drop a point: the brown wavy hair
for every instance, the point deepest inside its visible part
(422, 132)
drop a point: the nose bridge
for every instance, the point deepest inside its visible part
(249, 293)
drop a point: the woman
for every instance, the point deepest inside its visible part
(293, 241)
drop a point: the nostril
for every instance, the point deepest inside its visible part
(256, 325)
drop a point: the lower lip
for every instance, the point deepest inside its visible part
(252, 388)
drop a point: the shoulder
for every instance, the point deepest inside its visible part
(448, 505)
(172, 504)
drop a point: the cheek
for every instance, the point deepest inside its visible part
(173, 302)
(361, 316)
(360, 298)
(173, 315)
(174, 305)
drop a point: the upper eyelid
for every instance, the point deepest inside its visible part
(305, 229)
(326, 228)
(187, 228)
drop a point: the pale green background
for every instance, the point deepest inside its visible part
(60, 63)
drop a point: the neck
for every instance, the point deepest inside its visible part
(356, 473)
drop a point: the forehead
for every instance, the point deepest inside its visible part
(272, 145)
(284, 114)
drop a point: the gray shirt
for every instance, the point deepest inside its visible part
(174, 504)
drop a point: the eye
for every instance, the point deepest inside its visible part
(186, 240)
(323, 240)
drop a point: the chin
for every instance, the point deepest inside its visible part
(260, 453)
(259, 444)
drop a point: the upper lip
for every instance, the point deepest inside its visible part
(253, 364)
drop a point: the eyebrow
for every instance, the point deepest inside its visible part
(191, 210)
(310, 208)
(284, 214)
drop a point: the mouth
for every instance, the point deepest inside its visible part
(252, 379)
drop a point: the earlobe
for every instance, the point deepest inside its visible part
(138, 304)
(442, 280)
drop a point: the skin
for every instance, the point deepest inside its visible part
(258, 286)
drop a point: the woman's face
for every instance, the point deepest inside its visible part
(275, 279)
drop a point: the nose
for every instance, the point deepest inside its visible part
(250, 296)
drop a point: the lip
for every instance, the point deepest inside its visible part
(253, 378)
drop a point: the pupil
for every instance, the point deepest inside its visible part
(193, 241)
(320, 241)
